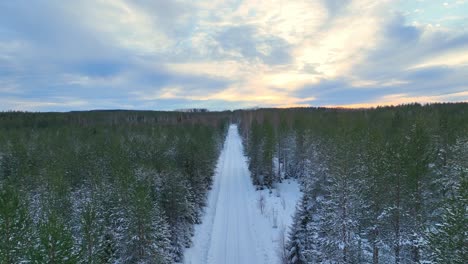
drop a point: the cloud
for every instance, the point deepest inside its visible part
(57, 55)
(246, 42)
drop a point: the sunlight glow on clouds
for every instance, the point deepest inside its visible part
(147, 54)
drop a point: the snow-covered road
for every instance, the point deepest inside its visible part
(233, 229)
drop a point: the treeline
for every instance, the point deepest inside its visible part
(384, 185)
(104, 186)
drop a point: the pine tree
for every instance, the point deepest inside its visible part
(417, 157)
(339, 221)
(299, 148)
(394, 209)
(255, 153)
(114, 223)
(147, 239)
(15, 226)
(374, 173)
(55, 242)
(92, 232)
(268, 152)
(179, 212)
(448, 240)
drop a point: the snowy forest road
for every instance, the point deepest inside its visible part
(229, 233)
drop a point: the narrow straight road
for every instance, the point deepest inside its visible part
(228, 233)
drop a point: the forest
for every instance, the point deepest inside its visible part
(382, 185)
(104, 186)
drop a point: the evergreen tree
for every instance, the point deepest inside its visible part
(55, 242)
(255, 153)
(295, 246)
(147, 238)
(92, 232)
(374, 173)
(179, 212)
(15, 226)
(267, 157)
(448, 240)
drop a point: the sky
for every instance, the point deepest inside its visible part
(169, 54)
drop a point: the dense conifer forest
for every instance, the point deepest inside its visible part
(384, 185)
(104, 186)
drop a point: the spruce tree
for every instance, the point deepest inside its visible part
(295, 245)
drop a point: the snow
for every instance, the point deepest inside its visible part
(233, 229)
